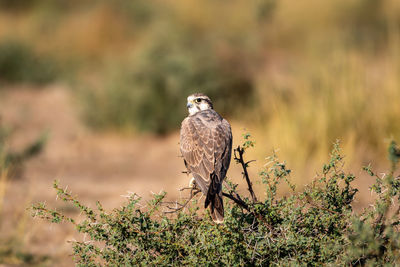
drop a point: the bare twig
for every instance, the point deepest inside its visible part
(244, 205)
(186, 188)
(315, 205)
(232, 190)
(238, 201)
(232, 195)
(178, 206)
(244, 164)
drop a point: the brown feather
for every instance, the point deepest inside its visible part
(206, 145)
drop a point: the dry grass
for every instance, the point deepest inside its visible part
(322, 71)
(346, 97)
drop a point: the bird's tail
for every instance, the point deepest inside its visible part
(214, 200)
(217, 209)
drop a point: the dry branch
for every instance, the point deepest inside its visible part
(179, 206)
(239, 159)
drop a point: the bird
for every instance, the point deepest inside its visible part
(206, 147)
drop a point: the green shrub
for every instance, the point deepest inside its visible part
(149, 91)
(16, 4)
(366, 23)
(20, 63)
(26, 5)
(13, 161)
(12, 249)
(314, 227)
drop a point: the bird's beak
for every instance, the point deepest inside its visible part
(189, 105)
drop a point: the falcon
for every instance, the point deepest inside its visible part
(206, 145)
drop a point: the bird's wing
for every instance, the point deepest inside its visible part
(222, 136)
(197, 148)
(226, 155)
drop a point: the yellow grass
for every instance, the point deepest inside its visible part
(314, 85)
(342, 96)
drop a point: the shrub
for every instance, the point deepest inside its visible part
(12, 250)
(148, 92)
(314, 227)
(26, 5)
(20, 63)
(13, 161)
(15, 4)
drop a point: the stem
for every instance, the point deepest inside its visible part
(244, 164)
(238, 201)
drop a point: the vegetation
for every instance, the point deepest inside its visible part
(12, 161)
(314, 227)
(12, 250)
(151, 89)
(19, 63)
(135, 63)
(298, 78)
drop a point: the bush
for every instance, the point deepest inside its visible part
(16, 4)
(12, 250)
(314, 227)
(20, 63)
(27, 5)
(149, 91)
(12, 161)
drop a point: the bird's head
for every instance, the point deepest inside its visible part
(197, 102)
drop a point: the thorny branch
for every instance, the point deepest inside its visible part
(239, 159)
(235, 197)
(232, 195)
(179, 206)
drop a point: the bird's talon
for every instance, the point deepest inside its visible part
(192, 183)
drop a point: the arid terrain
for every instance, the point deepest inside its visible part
(102, 167)
(95, 167)
(106, 82)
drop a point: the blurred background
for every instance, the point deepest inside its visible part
(93, 92)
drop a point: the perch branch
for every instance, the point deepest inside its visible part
(235, 197)
(238, 201)
(239, 150)
(193, 192)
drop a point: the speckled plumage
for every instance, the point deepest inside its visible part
(206, 145)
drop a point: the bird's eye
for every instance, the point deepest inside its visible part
(197, 100)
